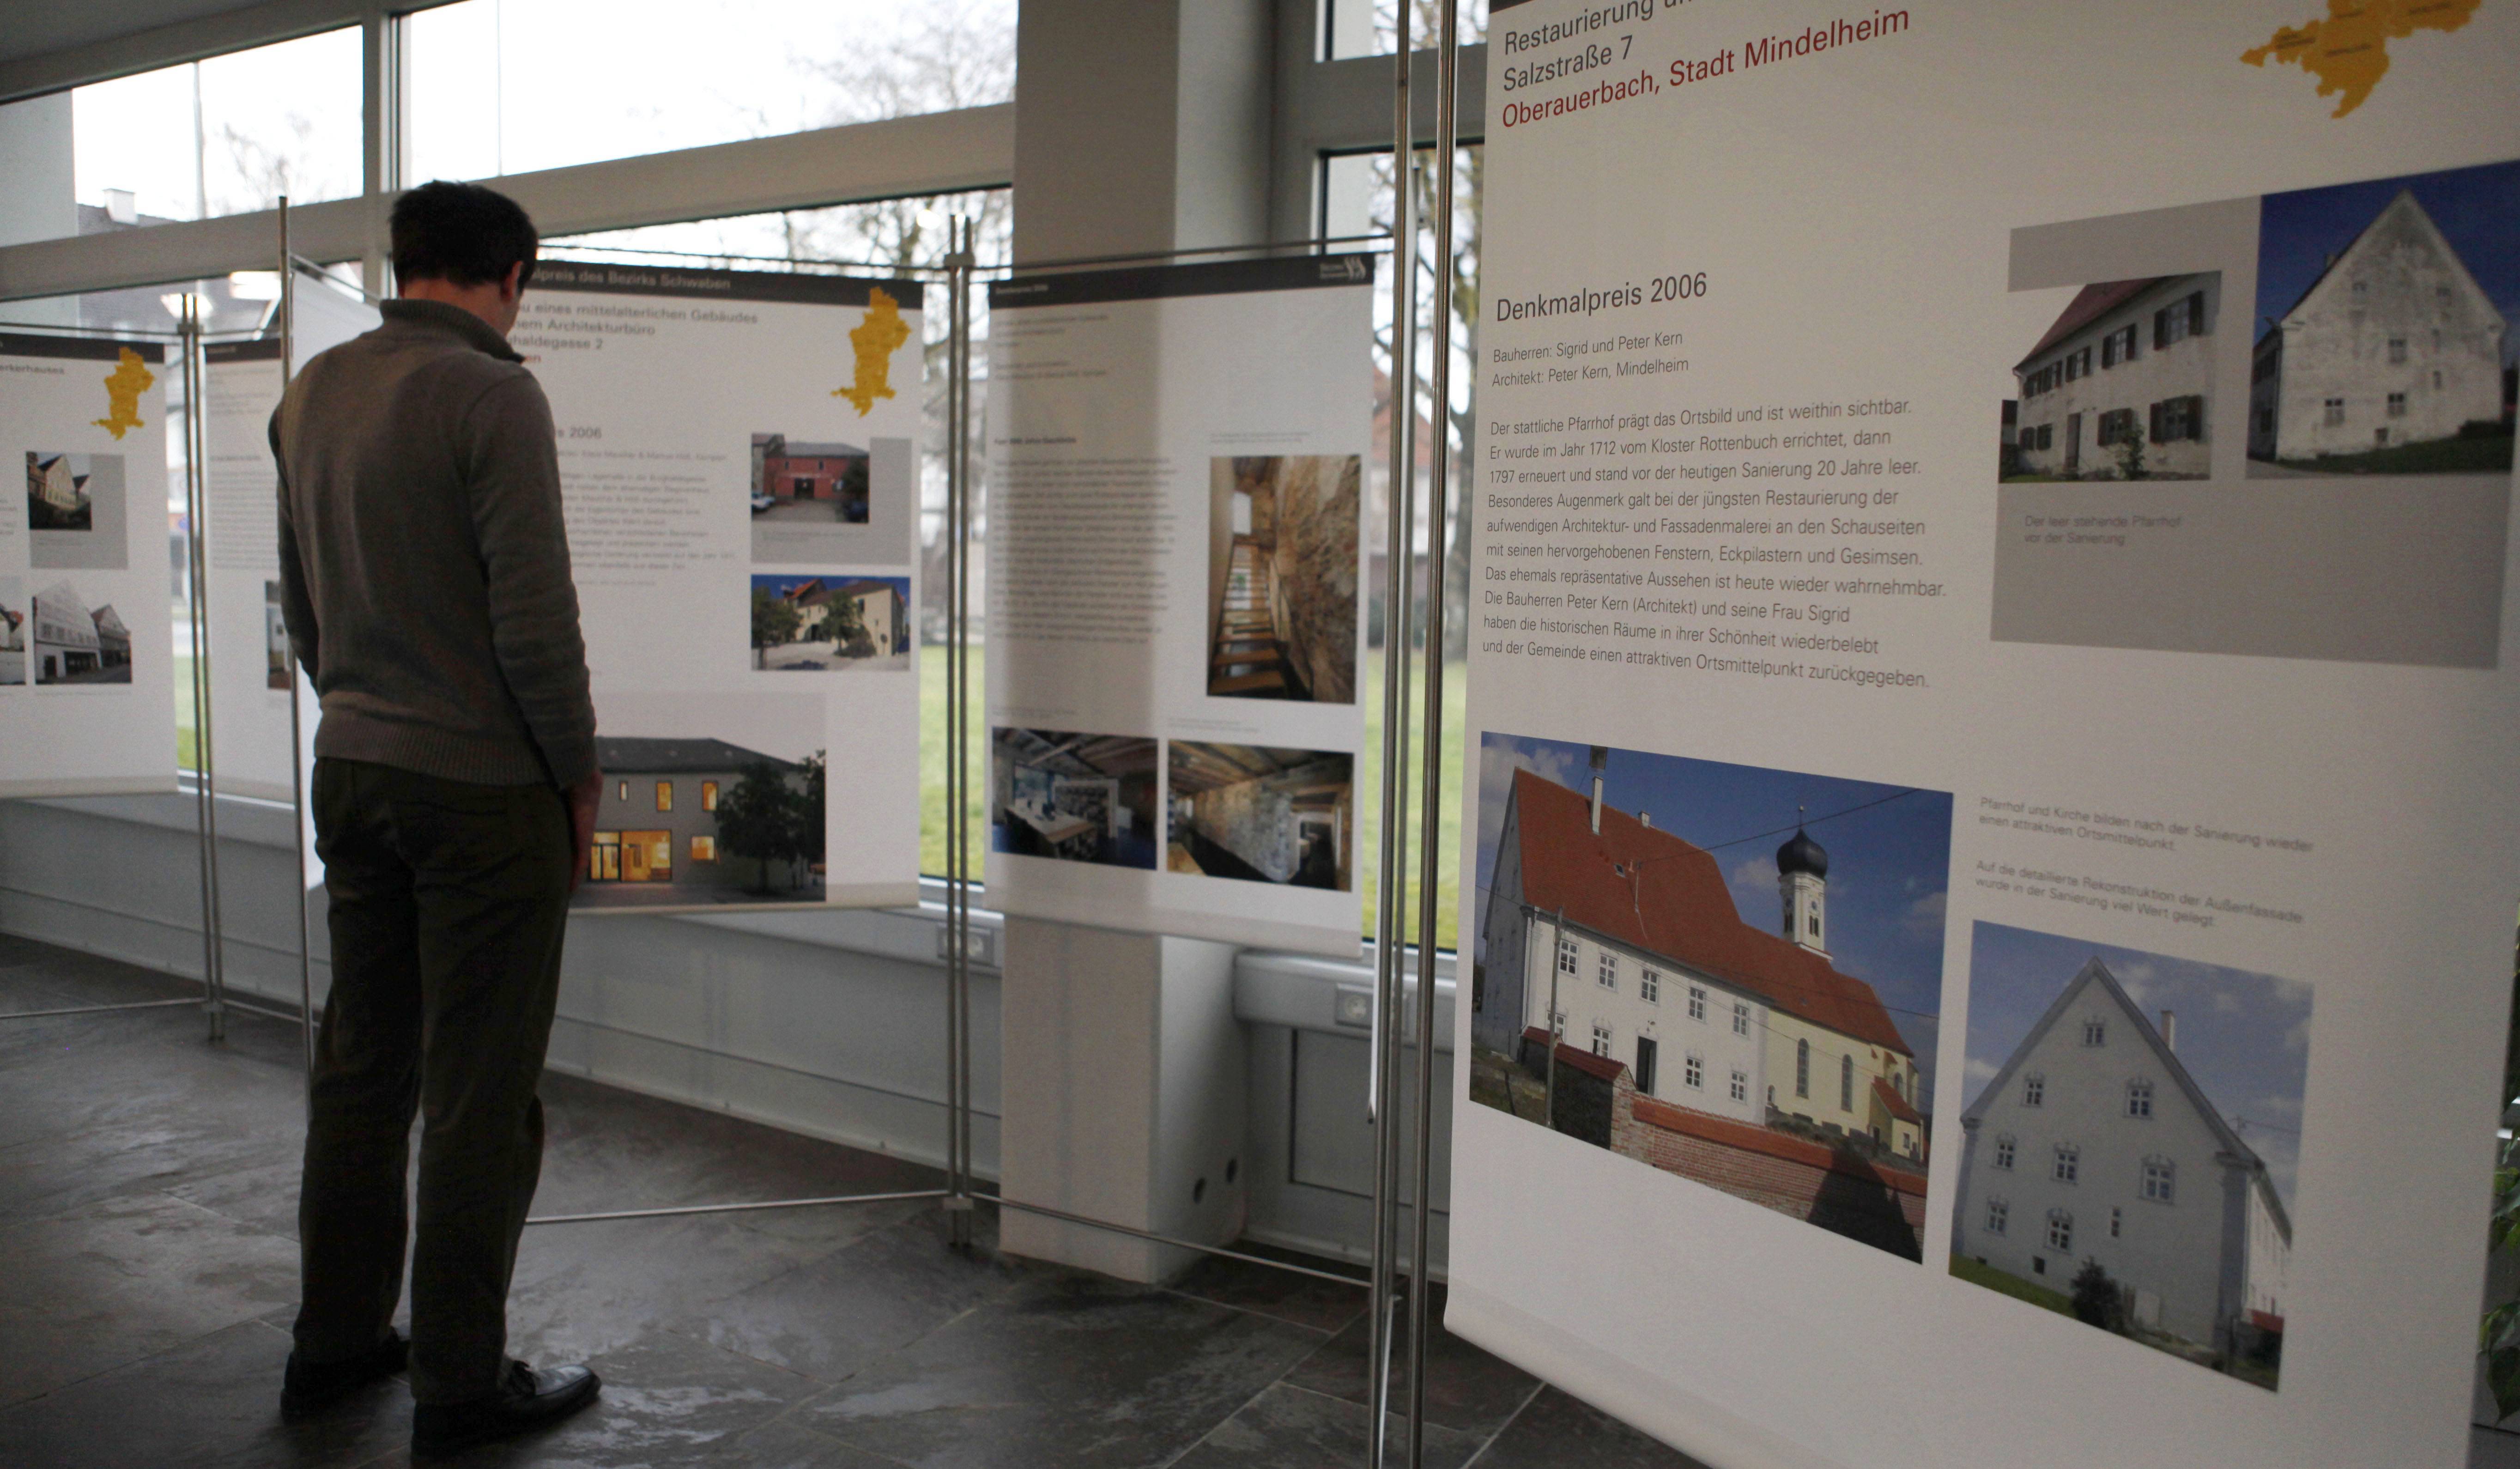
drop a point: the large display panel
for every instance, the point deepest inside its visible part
(1992, 719)
(738, 451)
(1175, 470)
(86, 687)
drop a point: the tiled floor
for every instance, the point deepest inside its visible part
(147, 1198)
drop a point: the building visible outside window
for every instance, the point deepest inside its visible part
(1846, 1083)
(2138, 1099)
(2117, 1221)
(2069, 1163)
(2334, 412)
(1697, 1003)
(1565, 954)
(1600, 1041)
(1741, 1087)
(664, 795)
(1999, 1214)
(2158, 1178)
(2034, 1090)
(703, 848)
(1695, 1073)
(1802, 1068)
(2060, 1229)
(2095, 1032)
(709, 795)
(1650, 987)
(1741, 1018)
(1608, 971)
(2003, 1150)
(2397, 350)
(2397, 405)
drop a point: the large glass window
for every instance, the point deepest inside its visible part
(651, 76)
(1372, 28)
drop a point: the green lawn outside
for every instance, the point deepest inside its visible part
(2015, 1287)
(1369, 779)
(187, 723)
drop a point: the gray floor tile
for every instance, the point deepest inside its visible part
(1065, 1372)
(1558, 1431)
(125, 1278)
(1289, 1297)
(1466, 1388)
(1286, 1427)
(783, 1444)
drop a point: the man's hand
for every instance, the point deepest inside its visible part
(582, 799)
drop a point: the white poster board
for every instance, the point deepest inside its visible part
(1176, 461)
(86, 686)
(739, 454)
(1993, 766)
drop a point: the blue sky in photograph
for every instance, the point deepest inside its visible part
(2245, 1037)
(2478, 210)
(781, 585)
(1889, 862)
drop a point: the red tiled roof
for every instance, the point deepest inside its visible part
(1606, 1067)
(2089, 305)
(1750, 1138)
(1651, 890)
(1896, 1104)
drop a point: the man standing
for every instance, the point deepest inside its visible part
(427, 588)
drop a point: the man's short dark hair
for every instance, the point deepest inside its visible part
(460, 232)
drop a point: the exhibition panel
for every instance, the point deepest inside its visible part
(738, 454)
(1992, 729)
(86, 693)
(1177, 466)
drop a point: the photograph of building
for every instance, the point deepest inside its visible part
(2131, 1141)
(275, 639)
(702, 820)
(808, 623)
(14, 633)
(1281, 569)
(1080, 797)
(2384, 312)
(815, 483)
(1620, 996)
(75, 643)
(57, 492)
(1262, 814)
(2121, 384)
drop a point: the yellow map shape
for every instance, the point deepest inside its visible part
(2349, 50)
(875, 340)
(129, 379)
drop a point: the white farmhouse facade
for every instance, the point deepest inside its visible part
(66, 640)
(2395, 343)
(1631, 936)
(2123, 377)
(2095, 1143)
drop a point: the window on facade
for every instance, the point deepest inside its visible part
(2436, 381)
(2334, 412)
(2397, 405)
(1741, 1087)
(1846, 1083)
(2046, 436)
(1741, 1018)
(1693, 1071)
(2179, 419)
(2095, 1032)
(1607, 972)
(1999, 1216)
(1802, 1068)
(2440, 296)
(1650, 987)
(2060, 1229)
(2159, 1179)
(2138, 1098)
(2069, 1163)
(2117, 425)
(2034, 1090)
(1645, 1059)
(622, 791)
(703, 848)
(2005, 1147)
(2117, 1221)
(2397, 348)
(2362, 289)
(1811, 923)
(1697, 1003)
(1565, 954)
(664, 795)
(2118, 346)
(1600, 1039)
(709, 795)
(2029, 438)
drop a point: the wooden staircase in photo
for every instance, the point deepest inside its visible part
(1246, 661)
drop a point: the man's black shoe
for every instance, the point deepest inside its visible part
(528, 1398)
(308, 1388)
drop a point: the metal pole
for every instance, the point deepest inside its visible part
(958, 878)
(296, 739)
(197, 602)
(1438, 471)
(1390, 908)
(962, 822)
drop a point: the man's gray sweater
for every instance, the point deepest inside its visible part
(423, 563)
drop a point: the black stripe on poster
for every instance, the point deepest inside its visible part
(1209, 278)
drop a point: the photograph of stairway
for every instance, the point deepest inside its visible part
(1283, 568)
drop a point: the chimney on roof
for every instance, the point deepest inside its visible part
(2170, 1029)
(1601, 763)
(1645, 819)
(122, 206)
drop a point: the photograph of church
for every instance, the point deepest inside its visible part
(1281, 574)
(827, 623)
(1262, 814)
(1079, 797)
(1659, 972)
(2120, 385)
(809, 482)
(2128, 1152)
(2384, 327)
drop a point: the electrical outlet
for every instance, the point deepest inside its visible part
(984, 945)
(1356, 1008)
